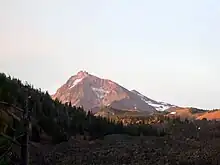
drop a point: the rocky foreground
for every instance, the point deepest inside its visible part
(188, 145)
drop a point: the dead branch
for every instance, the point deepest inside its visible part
(13, 140)
(11, 105)
(11, 114)
(6, 152)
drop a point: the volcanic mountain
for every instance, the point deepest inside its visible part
(92, 92)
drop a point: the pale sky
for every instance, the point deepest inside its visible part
(168, 50)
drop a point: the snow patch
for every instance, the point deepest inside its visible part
(77, 81)
(135, 107)
(172, 113)
(159, 106)
(100, 93)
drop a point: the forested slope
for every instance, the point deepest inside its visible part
(58, 120)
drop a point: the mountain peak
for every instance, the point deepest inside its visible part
(82, 74)
(90, 91)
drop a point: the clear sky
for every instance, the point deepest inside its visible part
(168, 50)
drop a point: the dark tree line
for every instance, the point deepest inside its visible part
(60, 121)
